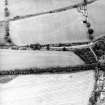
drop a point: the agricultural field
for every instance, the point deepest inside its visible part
(47, 89)
(58, 27)
(18, 59)
(54, 89)
(2, 24)
(37, 6)
(2, 3)
(96, 14)
(2, 33)
(47, 22)
(49, 28)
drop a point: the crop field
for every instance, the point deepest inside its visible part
(58, 27)
(37, 6)
(50, 28)
(2, 10)
(18, 59)
(96, 13)
(47, 89)
(33, 19)
(47, 22)
(54, 89)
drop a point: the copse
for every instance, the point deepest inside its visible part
(35, 46)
